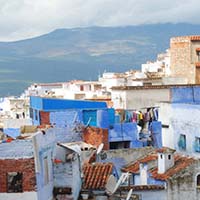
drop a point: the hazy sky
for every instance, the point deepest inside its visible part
(21, 19)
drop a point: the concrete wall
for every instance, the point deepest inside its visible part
(165, 116)
(185, 94)
(184, 187)
(16, 123)
(181, 119)
(185, 120)
(68, 174)
(21, 196)
(43, 143)
(152, 195)
(125, 132)
(139, 98)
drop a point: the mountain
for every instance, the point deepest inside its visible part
(82, 53)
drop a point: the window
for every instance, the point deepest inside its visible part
(182, 142)
(14, 182)
(120, 145)
(169, 157)
(198, 55)
(198, 181)
(81, 88)
(161, 156)
(197, 144)
(31, 113)
(36, 115)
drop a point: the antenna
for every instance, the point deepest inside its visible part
(100, 148)
(88, 123)
(129, 194)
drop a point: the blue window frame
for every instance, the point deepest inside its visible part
(197, 144)
(182, 142)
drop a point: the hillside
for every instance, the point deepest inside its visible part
(82, 53)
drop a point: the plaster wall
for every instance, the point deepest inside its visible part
(21, 196)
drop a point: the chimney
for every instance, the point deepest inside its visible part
(165, 159)
(143, 173)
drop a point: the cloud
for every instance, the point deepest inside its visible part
(21, 19)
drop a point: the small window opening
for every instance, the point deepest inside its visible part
(14, 182)
(198, 181)
(169, 157)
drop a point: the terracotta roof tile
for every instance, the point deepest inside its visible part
(197, 49)
(165, 150)
(194, 37)
(197, 64)
(134, 167)
(96, 175)
(181, 162)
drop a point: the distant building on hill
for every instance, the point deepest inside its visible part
(185, 58)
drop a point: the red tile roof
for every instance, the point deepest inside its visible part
(194, 37)
(197, 64)
(165, 150)
(134, 167)
(96, 175)
(197, 49)
(181, 162)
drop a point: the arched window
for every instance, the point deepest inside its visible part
(198, 180)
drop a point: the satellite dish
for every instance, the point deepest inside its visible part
(122, 178)
(100, 148)
(129, 194)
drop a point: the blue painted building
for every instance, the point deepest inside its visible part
(63, 113)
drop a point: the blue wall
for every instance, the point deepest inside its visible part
(125, 132)
(12, 132)
(65, 118)
(185, 94)
(50, 104)
(156, 131)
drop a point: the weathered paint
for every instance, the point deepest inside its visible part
(43, 152)
(125, 132)
(182, 119)
(64, 118)
(156, 131)
(16, 149)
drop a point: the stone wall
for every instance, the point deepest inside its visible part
(184, 57)
(180, 65)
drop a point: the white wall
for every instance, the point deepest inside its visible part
(182, 119)
(16, 123)
(139, 98)
(119, 99)
(186, 120)
(21, 196)
(165, 116)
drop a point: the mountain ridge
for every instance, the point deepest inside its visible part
(83, 53)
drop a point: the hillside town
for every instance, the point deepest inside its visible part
(132, 135)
